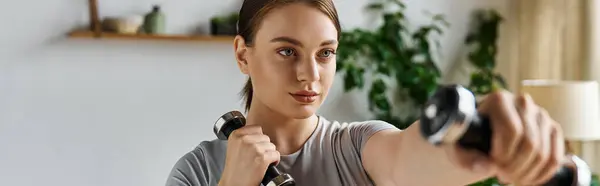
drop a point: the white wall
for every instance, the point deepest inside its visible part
(100, 113)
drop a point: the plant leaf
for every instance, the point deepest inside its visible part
(375, 6)
(354, 78)
(377, 96)
(501, 81)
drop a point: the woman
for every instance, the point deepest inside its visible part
(287, 48)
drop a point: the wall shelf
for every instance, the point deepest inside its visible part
(95, 32)
(117, 36)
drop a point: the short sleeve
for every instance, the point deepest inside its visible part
(360, 132)
(348, 143)
(189, 170)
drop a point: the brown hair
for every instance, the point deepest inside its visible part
(252, 13)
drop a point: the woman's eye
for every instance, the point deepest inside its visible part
(326, 53)
(286, 52)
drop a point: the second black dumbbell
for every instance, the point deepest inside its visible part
(234, 120)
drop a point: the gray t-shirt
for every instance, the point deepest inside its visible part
(331, 156)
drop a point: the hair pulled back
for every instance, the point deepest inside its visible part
(251, 15)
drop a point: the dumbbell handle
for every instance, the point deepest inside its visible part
(234, 120)
(478, 136)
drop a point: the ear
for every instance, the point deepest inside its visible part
(241, 52)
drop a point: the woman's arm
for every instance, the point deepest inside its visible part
(404, 158)
(527, 148)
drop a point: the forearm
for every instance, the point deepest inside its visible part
(421, 163)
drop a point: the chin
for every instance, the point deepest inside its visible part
(301, 112)
(293, 109)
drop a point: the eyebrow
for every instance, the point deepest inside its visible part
(329, 42)
(298, 43)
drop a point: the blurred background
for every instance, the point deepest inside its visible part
(121, 105)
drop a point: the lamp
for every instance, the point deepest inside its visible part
(573, 104)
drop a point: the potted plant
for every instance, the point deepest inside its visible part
(224, 25)
(399, 61)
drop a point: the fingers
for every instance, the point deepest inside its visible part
(263, 147)
(254, 138)
(250, 139)
(542, 158)
(266, 153)
(528, 152)
(506, 124)
(557, 154)
(271, 157)
(527, 145)
(246, 130)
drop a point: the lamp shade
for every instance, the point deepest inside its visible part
(573, 104)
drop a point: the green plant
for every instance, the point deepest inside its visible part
(482, 41)
(595, 180)
(224, 25)
(225, 19)
(488, 182)
(391, 55)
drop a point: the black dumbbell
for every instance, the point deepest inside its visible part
(233, 120)
(450, 116)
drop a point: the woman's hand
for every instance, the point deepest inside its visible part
(527, 145)
(249, 153)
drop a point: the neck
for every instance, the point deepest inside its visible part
(288, 134)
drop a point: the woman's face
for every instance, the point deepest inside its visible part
(292, 62)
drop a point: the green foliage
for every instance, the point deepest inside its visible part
(391, 55)
(231, 18)
(488, 182)
(482, 42)
(595, 180)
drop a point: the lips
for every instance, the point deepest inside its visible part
(305, 96)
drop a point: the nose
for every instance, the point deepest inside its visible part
(308, 70)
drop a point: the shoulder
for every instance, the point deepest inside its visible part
(200, 166)
(206, 150)
(344, 144)
(357, 127)
(356, 132)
